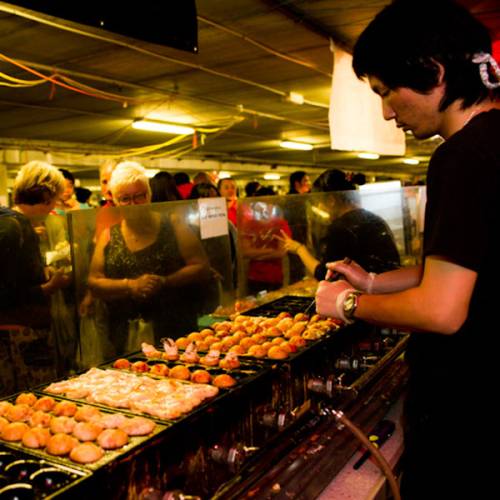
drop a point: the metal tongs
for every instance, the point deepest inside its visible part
(333, 277)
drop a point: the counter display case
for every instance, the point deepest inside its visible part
(295, 369)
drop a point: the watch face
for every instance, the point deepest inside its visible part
(350, 304)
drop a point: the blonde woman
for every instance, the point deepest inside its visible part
(24, 286)
(147, 266)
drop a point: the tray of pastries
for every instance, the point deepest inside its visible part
(71, 433)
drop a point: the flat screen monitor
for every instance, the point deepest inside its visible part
(165, 22)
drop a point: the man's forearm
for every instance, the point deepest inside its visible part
(397, 280)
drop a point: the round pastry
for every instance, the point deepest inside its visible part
(210, 339)
(60, 444)
(65, 409)
(182, 342)
(87, 431)
(110, 439)
(86, 453)
(140, 367)
(14, 431)
(26, 398)
(3, 423)
(87, 414)
(283, 315)
(180, 372)
(230, 362)
(36, 437)
(137, 426)
(159, 369)
(238, 349)
(4, 407)
(277, 352)
(278, 340)
(194, 336)
(45, 403)
(62, 425)
(206, 332)
(112, 420)
(19, 413)
(40, 419)
(258, 351)
(122, 364)
(301, 317)
(287, 347)
(201, 377)
(224, 381)
(216, 346)
(298, 341)
(247, 342)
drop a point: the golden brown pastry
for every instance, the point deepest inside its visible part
(45, 403)
(224, 381)
(19, 413)
(110, 439)
(40, 419)
(180, 372)
(65, 409)
(137, 426)
(36, 437)
(87, 414)
(63, 425)
(277, 352)
(87, 431)
(26, 398)
(61, 444)
(86, 453)
(201, 377)
(14, 431)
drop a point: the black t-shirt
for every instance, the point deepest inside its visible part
(461, 224)
(21, 264)
(363, 237)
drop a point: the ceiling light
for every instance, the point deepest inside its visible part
(224, 175)
(295, 97)
(296, 145)
(369, 156)
(272, 177)
(166, 128)
(411, 161)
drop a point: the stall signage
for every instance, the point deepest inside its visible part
(213, 217)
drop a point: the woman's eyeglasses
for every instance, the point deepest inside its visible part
(136, 199)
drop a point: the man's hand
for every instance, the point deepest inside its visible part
(330, 298)
(354, 273)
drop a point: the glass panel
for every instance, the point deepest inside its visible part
(143, 272)
(380, 230)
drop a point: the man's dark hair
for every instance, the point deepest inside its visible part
(405, 42)
(265, 191)
(332, 180)
(296, 177)
(68, 175)
(83, 194)
(181, 178)
(251, 188)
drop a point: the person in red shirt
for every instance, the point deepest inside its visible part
(228, 190)
(258, 235)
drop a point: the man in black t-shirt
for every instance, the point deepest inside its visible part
(431, 64)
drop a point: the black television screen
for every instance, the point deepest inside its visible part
(169, 22)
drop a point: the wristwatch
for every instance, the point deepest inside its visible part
(350, 304)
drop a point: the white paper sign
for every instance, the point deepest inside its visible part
(213, 217)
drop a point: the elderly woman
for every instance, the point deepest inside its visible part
(147, 266)
(24, 287)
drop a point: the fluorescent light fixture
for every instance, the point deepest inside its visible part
(369, 156)
(411, 161)
(323, 214)
(296, 98)
(224, 175)
(296, 145)
(272, 177)
(166, 128)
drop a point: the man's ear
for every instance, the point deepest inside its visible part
(440, 73)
